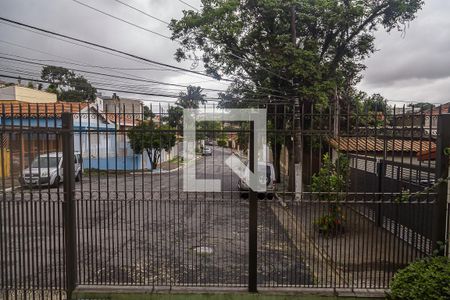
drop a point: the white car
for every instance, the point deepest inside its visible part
(47, 169)
(269, 179)
(207, 151)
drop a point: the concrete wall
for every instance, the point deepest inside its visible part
(130, 106)
(23, 94)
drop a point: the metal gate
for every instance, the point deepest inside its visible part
(372, 199)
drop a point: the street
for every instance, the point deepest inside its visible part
(142, 229)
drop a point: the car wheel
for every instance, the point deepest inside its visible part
(57, 181)
(244, 195)
(78, 177)
(270, 196)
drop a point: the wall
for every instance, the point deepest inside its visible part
(28, 95)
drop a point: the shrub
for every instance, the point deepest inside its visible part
(222, 143)
(329, 183)
(428, 278)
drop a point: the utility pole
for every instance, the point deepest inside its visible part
(334, 152)
(298, 143)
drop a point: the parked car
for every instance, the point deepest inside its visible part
(47, 169)
(207, 151)
(270, 180)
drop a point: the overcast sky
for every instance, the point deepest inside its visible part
(409, 67)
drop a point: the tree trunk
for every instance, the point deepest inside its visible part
(153, 157)
(291, 173)
(296, 152)
(276, 151)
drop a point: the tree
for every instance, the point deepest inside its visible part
(174, 117)
(30, 85)
(152, 139)
(67, 85)
(192, 98)
(148, 114)
(208, 130)
(422, 106)
(306, 50)
(375, 103)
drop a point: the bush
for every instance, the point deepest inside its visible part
(428, 278)
(222, 143)
(329, 184)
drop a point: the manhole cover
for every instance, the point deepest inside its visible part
(203, 250)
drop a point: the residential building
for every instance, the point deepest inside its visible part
(95, 135)
(15, 94)
(116, 104)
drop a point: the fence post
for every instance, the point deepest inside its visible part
(442, 164)
(380, 175)
(253, 222)
(69, 213)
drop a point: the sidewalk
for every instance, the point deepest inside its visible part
(363, 256)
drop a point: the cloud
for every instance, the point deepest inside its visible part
(415, 66)
(71, 18)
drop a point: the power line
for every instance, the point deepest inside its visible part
(85, 65)
(21, 71)
(143, 12)
(122, 20)
(187, 4)
(107, 48)
(111, 75)
(72, 60)
(230, 51)
(66, 41)
(98, 88)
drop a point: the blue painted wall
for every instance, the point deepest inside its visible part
(104, 145)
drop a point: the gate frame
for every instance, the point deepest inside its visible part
(442, 173)
(68, 206)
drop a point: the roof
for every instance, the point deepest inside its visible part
(122, 119)
(442, 109)
(429, 154)
(372, 144)
(43, 109)
(31, 110)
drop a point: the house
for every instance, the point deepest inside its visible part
(96, 135)
(430, 127)
(116, 104)
(431, 118)
(16, 94)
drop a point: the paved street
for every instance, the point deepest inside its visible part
(142, 229)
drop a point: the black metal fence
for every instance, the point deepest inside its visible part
(372, 199)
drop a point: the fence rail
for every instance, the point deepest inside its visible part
(84, 203)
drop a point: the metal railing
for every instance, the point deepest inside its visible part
(119, 220)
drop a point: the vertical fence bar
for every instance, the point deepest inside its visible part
(69, 204)
(442, 164)
(380, 174)
(253, 221)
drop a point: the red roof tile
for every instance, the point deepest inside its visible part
(372, 144)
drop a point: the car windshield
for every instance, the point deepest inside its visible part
(45, 162)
